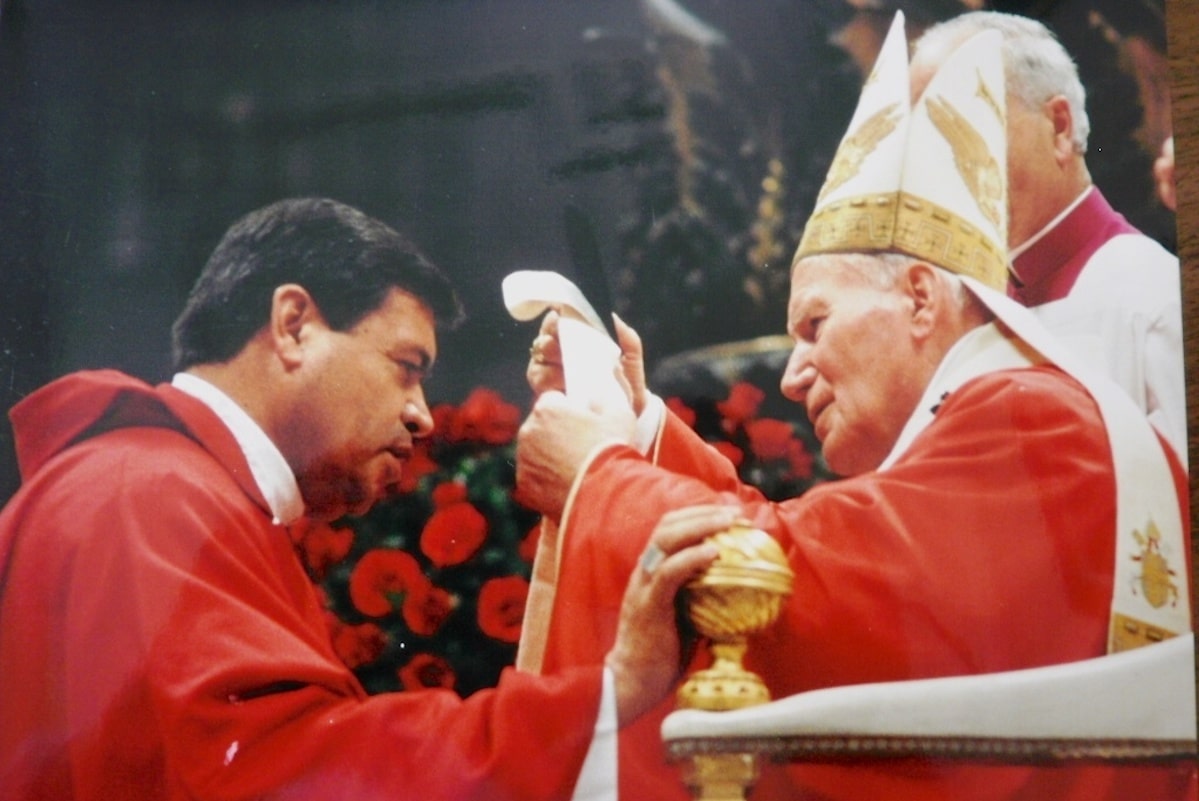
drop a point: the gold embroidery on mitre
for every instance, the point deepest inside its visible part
(902, 222)
(1154, 581)
(858, 145)
(983, 92)
(873, 77)
(975, 164)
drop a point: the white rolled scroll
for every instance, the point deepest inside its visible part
(590, 358)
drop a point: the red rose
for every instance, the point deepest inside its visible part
(426, 670)
(485, 417)
(419, 465)
(452, 535)
(448, 492)
(443, 415)
(424, 612)
(769, 439)
(682, 411)
(322, 545)
(742, 404)
(381, 578)
(358, 645)
(730, 451)
(801, 460)
(502, 607)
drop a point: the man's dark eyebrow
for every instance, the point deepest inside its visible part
(425, 362)
(407, 355)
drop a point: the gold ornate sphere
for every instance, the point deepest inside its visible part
(740, 594)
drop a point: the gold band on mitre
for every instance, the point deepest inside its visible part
(902, 222)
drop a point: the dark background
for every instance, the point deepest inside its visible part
(600, 138)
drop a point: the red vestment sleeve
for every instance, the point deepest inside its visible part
(162, 641)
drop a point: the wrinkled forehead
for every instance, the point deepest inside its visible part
(821, 280)
(839, 269)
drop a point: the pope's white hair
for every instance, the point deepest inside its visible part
(1036, 66)
(883, 270)
(892, 266)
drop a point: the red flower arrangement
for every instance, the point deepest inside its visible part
(780, 457)
(427, 670)
(429, 589)
(357, 645)
(382, 579)
(321, 545)
(424, 613)
(502, 607)
(484, 417)
(453, 534)
(741, 405)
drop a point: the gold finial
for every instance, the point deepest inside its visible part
(740, 594)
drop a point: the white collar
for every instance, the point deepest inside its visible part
(270, 470)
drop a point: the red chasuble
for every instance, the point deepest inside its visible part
(159, 638)
(987, 546)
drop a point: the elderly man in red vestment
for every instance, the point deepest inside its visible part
(995, 490)
(159, 638)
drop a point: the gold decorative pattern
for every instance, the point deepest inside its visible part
(975, 164)
(858, 145)
(1155, 581)
(984, 93)
(1007, 751)
(906, 223)
(739, 594)
(1128, 633)
(719, 777)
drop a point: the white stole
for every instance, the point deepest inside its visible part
(1151, 598)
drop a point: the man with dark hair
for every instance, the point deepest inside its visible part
(159, 638)
(346, 260)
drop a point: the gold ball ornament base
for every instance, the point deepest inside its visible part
(739, 595)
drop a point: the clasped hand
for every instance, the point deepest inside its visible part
(559, 434)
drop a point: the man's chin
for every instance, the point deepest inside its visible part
(334, 508)
(359, 507)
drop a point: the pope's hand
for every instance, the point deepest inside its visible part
(544, 371)
(553, 442)
(646, 657)
(632, 363)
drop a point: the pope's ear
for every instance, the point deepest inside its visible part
(924, 288)
(292, 312)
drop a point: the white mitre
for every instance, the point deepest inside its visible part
(928, 181)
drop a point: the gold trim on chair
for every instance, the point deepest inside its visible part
(825, 747)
